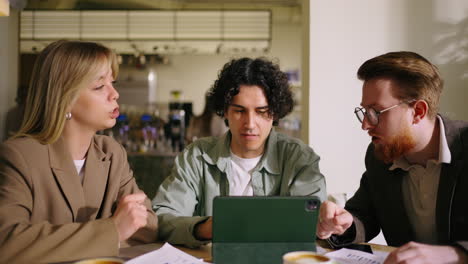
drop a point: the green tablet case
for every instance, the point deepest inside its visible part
(262, 229)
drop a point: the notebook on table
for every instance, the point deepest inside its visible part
(261, 229)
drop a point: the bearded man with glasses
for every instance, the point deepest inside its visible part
(416, 179)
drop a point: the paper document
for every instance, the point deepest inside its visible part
(351, 256)
(167, 254)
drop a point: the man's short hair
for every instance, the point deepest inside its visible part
(416, 77)
(260, 72)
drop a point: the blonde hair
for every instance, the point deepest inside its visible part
(62, 69)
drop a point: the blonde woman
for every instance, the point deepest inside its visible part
(65, 192)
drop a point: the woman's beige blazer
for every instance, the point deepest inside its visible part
(48, 215)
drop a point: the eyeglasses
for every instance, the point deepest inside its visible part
(372, 114)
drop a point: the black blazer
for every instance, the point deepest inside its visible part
(378, 203)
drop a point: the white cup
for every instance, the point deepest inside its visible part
(305, 257)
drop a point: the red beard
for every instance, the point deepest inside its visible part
(398, 146)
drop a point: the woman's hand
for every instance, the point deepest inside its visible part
(131, 215)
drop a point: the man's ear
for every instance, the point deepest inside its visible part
(420, 111)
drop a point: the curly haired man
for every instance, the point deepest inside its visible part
(251, 159)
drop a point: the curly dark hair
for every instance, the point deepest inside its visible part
(260, 72)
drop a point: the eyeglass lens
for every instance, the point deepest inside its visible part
(371, 115)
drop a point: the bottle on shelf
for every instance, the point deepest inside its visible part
(121, 131)
(149, 133)
(176, 129)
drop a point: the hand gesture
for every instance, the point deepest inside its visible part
(413, 252)
(204, 231)
(130, 215)
(333, 220)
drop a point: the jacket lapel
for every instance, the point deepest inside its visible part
(66, 176)
(95, 179)
(448, 177)
(400, 216)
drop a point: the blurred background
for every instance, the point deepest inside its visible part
(169, 54)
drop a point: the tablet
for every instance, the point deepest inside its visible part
(260, 229)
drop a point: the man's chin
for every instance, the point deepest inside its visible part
(394, 148)
(389, 153)
(379, 146)
(382, 154)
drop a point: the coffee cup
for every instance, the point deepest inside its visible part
(305, 257)
(101, 261)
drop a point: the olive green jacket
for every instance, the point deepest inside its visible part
(287, 168)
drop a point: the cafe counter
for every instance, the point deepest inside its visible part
(150, 169)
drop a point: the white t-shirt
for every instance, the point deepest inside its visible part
(79, 164)
(240, 176)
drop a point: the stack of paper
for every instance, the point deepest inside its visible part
(167, 254)
(350, 256)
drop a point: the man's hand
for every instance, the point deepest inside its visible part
(130, 215)
(413, 252)
(204, 231)
(333, 220)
